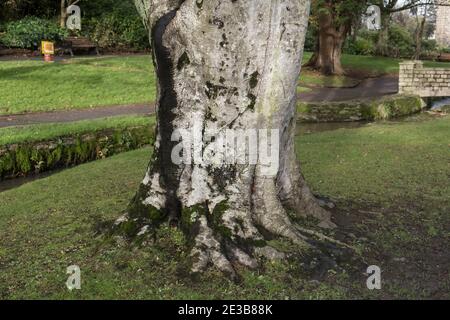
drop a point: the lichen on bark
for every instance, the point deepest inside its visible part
(234, 65)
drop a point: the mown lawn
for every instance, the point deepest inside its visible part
(31, 86)
(377, 65)
(390, 182)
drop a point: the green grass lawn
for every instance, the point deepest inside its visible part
(311, 79)
(390, 182)
(30, 86)
(41, 132)
(362, 65)
(377, 65)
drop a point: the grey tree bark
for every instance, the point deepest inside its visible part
(228, 64)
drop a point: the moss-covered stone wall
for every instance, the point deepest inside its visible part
(359, 110)
(34, 157)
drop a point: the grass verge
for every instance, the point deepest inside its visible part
(39, 148)
(390, 182)
(33, 86)
(39, 132)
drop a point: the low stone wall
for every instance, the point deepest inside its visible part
(34, 157)
(359, 110)
(425, 82)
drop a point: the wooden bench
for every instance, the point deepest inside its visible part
(76, 43)
(444, 57)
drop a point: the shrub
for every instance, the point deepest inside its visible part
(113, 30)
(311, 38)
(429, 45)
(401, 43)
(30, 31)
(360, 46)
(369, 35)
(429, 49)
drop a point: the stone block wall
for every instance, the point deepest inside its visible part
(425, 82)
(443, 25)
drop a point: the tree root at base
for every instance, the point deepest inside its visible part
(211, 248)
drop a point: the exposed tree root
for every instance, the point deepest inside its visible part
(226, 246)
(208, 250)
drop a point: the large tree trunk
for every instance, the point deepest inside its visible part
(327, 58)
(225, 65)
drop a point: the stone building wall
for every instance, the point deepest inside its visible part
(443, 26)
(425, 82)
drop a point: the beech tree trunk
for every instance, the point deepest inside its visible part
(235, 65)
(327, 57)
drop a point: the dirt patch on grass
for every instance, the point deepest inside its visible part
(413, 257)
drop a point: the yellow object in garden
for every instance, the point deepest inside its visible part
(48, 47)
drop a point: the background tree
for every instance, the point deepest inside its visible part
(234, 65)
(423, 14)
(15, 9)
(389, 7)
(334, 20)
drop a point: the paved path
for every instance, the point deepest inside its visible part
(369, 88)
(75, 115)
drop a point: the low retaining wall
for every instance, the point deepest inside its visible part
(34, 157)
(425, 82)
(359, 110)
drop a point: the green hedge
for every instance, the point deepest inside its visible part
(401, 43)
(34, 157)
(30, 31)
(111, 30)
(117, 31)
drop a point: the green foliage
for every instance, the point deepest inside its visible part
(360, 46)
(344, 12)
(379, 109)
(111, 23)
(401, 42)
(97, 8)
(39, 148)
(429, 48)
(30, 31)
(311, 38)
(16, 9)
(115, 30)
